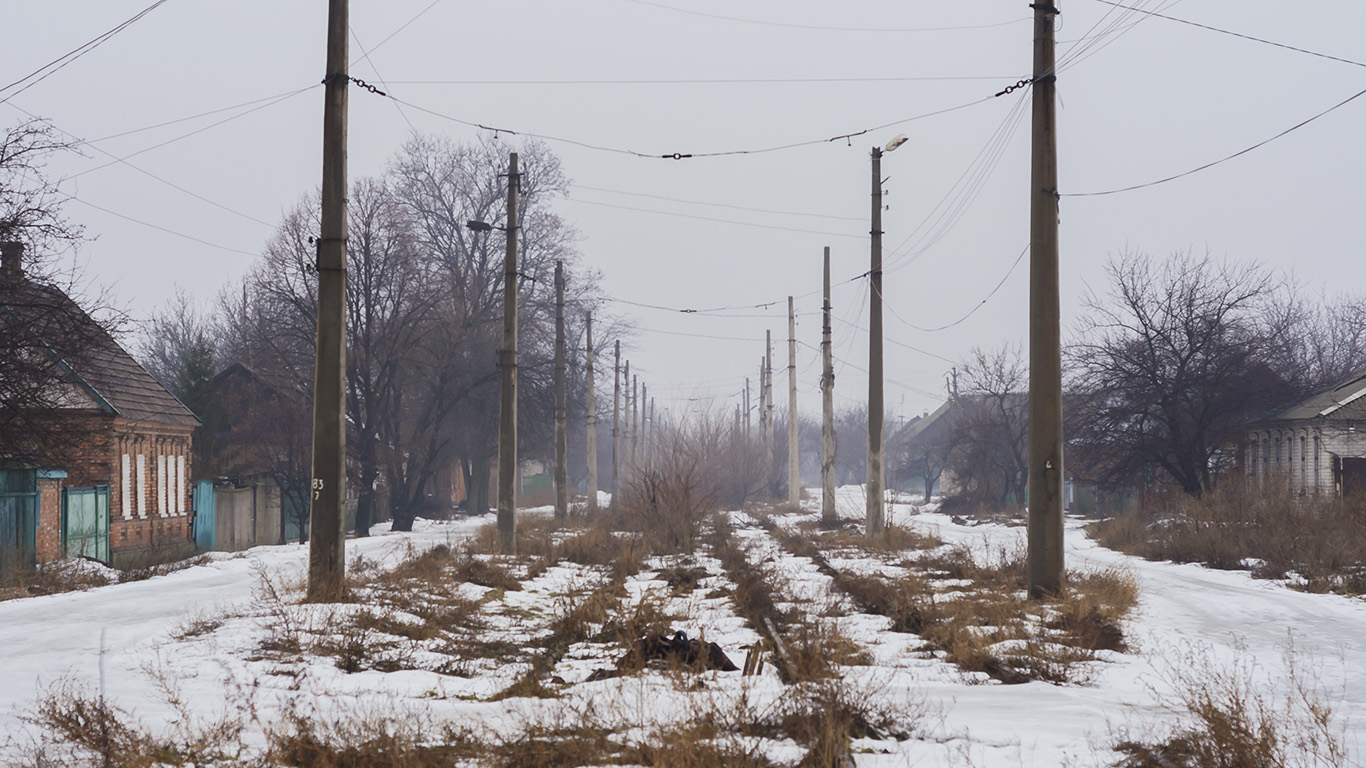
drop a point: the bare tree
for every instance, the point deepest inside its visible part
(988, 446)
(45, 333)
(1169, 364)
(30, 202)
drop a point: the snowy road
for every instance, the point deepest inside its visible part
(1035, 724)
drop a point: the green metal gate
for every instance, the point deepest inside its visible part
(85, 522)
(18, 518)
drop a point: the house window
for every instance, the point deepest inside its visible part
(1266, 457)
(161, 484)
(142, 485)
(1252, 459)
(1318, 479)
(126, 487)
(180, 485)
(1304, 465)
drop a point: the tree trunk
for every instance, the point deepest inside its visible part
(479, 486)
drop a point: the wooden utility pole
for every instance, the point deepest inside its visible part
(616, 423)
(561, 406)
(591, 420)
(644, 426)
(650, 453)
(794, 482)
(507, 410)
(763, 411)
(827, 406)
(875, 523)
(635, 419)
(327, 535)
(1045, 557)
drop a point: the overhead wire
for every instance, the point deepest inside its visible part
(713, 80)
(695, 217)
(1222, 160)
(158, 227)
(1241, 35)
(1016, 263)
(151, 175)
(690, 155)
(804, 214)
(61, 62)
(823, 27)
(159, 145)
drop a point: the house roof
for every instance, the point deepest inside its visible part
(1345, 401)
(114, 380)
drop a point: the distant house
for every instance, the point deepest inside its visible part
(123, 487)
(256, 448)
(1315, 447)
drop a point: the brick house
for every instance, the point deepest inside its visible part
(122, 490)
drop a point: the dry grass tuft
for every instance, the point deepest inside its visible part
(1229, 717)
(1240, 525)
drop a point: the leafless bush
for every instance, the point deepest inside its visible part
(1319, 543)
(1229, 717)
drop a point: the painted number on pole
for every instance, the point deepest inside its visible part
(317, 488)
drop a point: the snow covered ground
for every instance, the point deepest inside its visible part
(123, 633)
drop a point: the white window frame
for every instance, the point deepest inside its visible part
(142, 485)
(180, 485)
(126, 489)
(162, 485)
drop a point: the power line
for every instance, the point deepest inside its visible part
(116, 160)
(972, 311)
(693, 155)
(712, 80)
(821, 27)
(1237, 34)
(402, 27)
(62, 61)
(145, 172)
(1239, 153)
(193, 117)
(720, 205)
(125, 217)
(712, 218)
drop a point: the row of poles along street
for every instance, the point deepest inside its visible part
(1045, 469)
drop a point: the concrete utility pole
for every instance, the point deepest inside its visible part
(327, 536)
(794, 482)
(507, 410)
(561, 407)
(591, 406)
(875, 524)
(769, 410)
(827, 406)
(626, 421)
(1045, 557)
(746, 411)
(763, 410)
(616, 423)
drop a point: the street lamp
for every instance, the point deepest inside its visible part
(876, 522)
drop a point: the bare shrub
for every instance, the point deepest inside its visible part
(1230, 717)
(1319, 543)
(70, 575)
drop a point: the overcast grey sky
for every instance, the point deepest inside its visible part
(1153, 100)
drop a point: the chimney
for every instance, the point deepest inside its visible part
(12, 259)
